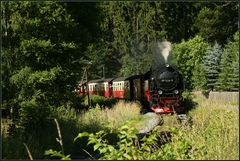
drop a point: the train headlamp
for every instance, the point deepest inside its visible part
(160, 92)
(176, 91)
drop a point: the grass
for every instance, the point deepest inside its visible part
(97, 118)
(215, 131)
(71, 123)
(213, 135)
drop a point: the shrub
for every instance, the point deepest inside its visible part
(100, 100)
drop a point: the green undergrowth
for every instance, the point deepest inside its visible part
(100, 100)
(71, 123)
(212, 134)
(111, 133)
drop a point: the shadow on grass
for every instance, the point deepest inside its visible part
(37, 141)
(189, 104)
(41, 139)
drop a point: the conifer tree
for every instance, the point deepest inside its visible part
(229, 66)
(212, 64)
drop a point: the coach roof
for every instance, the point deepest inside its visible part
(127, 78)
(101, 80)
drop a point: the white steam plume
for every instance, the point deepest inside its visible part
(161, 53)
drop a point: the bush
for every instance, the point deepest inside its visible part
(189, 58)
(100, 100)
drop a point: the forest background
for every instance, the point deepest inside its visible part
(47, 45)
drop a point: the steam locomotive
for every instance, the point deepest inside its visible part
(159, 90)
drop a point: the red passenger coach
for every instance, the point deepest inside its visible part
(108, 87)
(93, 87)
(121, 88)
(101, 87)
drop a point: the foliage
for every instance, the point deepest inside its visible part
(54, 153)
(196, 142)
(46, 45)
(100, 100)
(229, 66)
(212, 64)
(217, 21)
(138, 61)
(189, 57)
(101, 60)
(126, 148)
(42, 59)
(97, 117)
(130, 147)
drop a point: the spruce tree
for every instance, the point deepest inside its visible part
(229, 66)
(212, 64)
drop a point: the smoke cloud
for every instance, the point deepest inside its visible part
(161, 53)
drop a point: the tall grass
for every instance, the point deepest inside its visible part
(215, 131)
(111, 118)
(71, 124)
(213, 135)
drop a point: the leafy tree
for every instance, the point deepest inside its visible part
(188, 56)
(42, 56)
(212, 64)
(229, 66)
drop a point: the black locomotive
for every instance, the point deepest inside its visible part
(165, 90)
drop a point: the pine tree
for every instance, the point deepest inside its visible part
(229, 66)
(212, 64)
